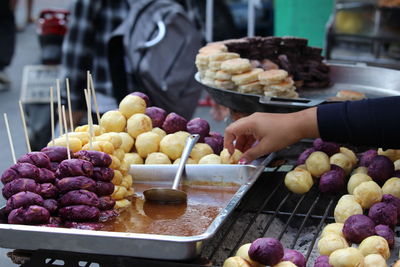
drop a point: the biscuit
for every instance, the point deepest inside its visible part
(210, 74)
(286, 94)
(215, 65)
(272, 76)
(251, 88)
(208, 81)
(285, 85)
(222, 75)
(236, 65)
(224, 84)
(202, 59)
(350, 95)
(246, 77)
(221, 56)
(220, 47)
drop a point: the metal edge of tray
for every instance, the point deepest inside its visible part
(345, 75)
(117, 243)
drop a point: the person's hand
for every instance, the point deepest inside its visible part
(263, 133)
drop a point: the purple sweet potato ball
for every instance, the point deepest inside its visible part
(322, 261)
(75, 167)
(23, 199)
(390, 199)
(328, 147)
(79, 213)
(30, 215)
(198, 126)
(367, 157)
(39, 159)
(157, 115)
(215, 143)
(385, 232)
(19, 170)
(54, 166)
(304, 155)
(20, 185)
(295, 257)
(266, 250)
(106, 203)
(143, 96)
(97, 158)
(56, 153)
(332, 182)
(107, 215)
(383, 213)
(103, 174)
(380, 169)
(358, 227)
(48, 190)
(104, 188)
(46, 176)
(75, 183)
(51, 205)
(79, 197)
(174, 123)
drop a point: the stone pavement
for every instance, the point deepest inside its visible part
(27, 53)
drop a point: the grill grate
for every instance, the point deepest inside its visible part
(269, 209)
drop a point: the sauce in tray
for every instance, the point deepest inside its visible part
(203, 206)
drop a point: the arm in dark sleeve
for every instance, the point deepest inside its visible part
(78, 47)
(370, 122)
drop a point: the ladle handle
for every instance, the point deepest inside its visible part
(190, 142)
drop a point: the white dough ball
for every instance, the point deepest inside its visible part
(367, 194)
(374, 260)
(137, 124)
(157, 158)
(299, 181)
(160, 132)
(243, 252)
(355, 180)
(210, 159)
(343, 161)
(360, 169)
(112, 137)
(113, 121)
(127, 142)
(147, 143)
(350, 154)
(392, 187)
(331, 242)
(344, 209)
(227, 158)
(172, 145)
(132, 104)
(333, 228)
(318, 163)
(133, 158)
(375, 245)
(200, 150)
(346, 257)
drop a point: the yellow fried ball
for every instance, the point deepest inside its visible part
(346, 257)
(299, 181)
(374, 260)
(189, 161)
(119, 153)
(113, 121)
(75, 144)
(127, 142)
(159, 131)
(117, 179)
(132, 104)
(375, 245)
(147, 143)
(119, 192)
(133, 158)
(112, 137)
(343, 161)
(318, 163)
(367, 194)
(172, 146)
(345, 208)
(210, 159)
(200, 150)
(227, 158)
(355, 180)
(331, 242)
(137, 124)
(97, 129)
(392, 187)
(157, 158)
(103, 146)
(333, 228)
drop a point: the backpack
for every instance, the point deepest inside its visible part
(153, 51)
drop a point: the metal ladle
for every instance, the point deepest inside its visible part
(173, 195)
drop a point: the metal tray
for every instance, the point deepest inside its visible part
(137, 245)
(372, 81)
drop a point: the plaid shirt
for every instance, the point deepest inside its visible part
(85, 48)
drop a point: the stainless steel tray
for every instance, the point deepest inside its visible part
(372, 81)
(131, 244)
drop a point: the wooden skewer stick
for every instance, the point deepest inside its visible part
(10, 141)
(52, 114)
(71, 122)
(66, 133)
(94, 99)
(59, 106)
(21, 110)
(90, 122)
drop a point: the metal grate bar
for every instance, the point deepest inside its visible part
(297, 215)
(253, 219)
(292, 215)
(276, 211)
(310, 248)
(304, 221)
(232, 223)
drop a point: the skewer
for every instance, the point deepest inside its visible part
(28, 144)
(94, 99)
(71, 122)
(90, 121)
(10, 139)
(52, 115)
(66, 133)
(59, 106)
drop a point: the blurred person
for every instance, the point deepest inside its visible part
(29, 7)
(85, 48)
(369, 122)
(7, 41)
